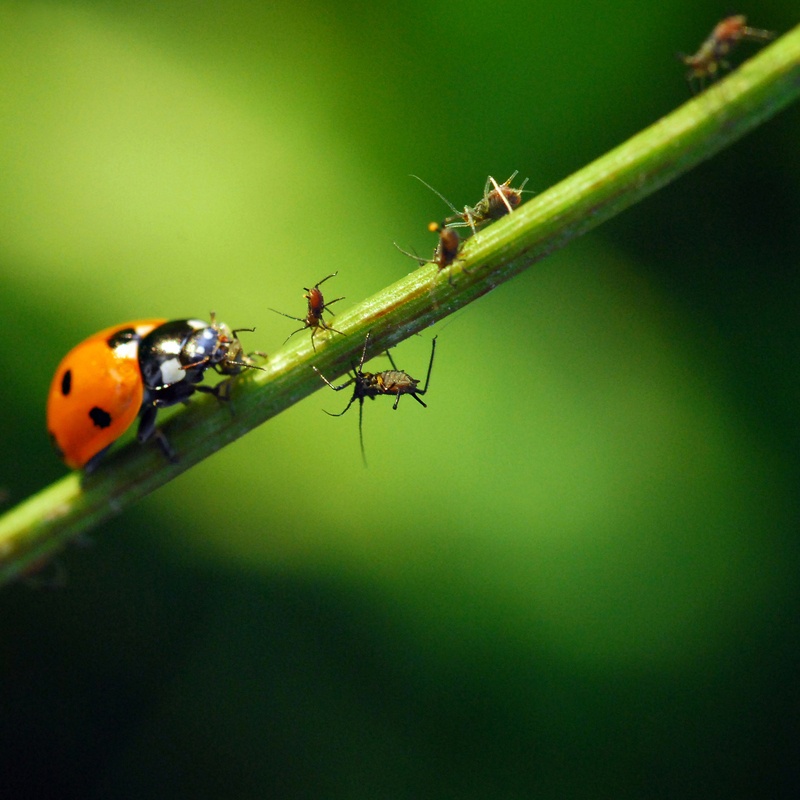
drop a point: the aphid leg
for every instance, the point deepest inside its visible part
(329, 303)
(364, 352)
(391, 361)
(326, 381)
(352, 399)
(338, 389)
(296, 319)
(430, 366)
(361, 430)
(427, 377)
(469, 216)
(332, 275)
(413, 394)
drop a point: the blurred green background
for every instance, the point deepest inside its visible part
(573, 575)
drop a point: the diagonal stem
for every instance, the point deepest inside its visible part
(42, 525)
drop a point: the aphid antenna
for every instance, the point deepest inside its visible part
(347, 407)
(440, 195)
(361, 431)
(415, 256)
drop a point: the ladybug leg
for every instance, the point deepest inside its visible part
(165, 446)
(147, 423)
(91, 465)
(147, 430)
(222, 391)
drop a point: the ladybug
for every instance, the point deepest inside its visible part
(132, 370)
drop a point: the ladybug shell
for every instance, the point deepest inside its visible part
(175, 356)
(177, 352)
(97, 392)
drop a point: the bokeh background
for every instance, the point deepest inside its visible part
(574, 575)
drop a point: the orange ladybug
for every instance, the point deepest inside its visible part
(97, 392)
(131, 370)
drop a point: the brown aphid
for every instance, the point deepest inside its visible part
(371, 384)
(316, 307)
(498, 200)
(446, 250)
(449, 244)
(710, 58)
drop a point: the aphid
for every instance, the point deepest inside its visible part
(371, 384)
(496, 202)
(316, 307)
(446, 250)
(710, 58)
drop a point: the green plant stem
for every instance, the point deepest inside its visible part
(39, 527)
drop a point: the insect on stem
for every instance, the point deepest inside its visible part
(316, 307)
(496, 202)
(709, 60)
(446, 250)
(371, 384)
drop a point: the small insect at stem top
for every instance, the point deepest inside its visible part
(709, 60)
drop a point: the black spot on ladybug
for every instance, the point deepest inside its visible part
(102, 419)
(121, 337)
(66, 383)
